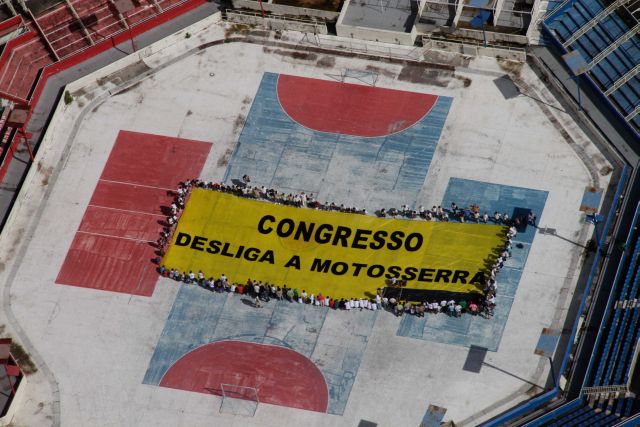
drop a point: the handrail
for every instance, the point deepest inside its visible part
(475, 43)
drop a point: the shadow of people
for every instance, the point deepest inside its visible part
(247, 301)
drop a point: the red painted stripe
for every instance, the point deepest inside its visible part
(280, 375)
(84, 55)
(13, 44)
(11, 147)
(110, 264)
(351, 109)
(175, 156)
(119, 223)
(10, 24)
(130, 197)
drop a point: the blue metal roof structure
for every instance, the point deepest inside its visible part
(605, 35)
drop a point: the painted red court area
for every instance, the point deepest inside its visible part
(281, 376)
(351, 109)
(129, 197)
(114, 245)
(154, 160)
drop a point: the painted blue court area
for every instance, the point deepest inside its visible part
(475, 330)
(356, 171)
(335, 343)
(547, 342)
(591, 199)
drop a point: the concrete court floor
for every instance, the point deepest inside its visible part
(94, 347)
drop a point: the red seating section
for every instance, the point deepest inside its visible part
(57, 40)
(25, 55)
(62, 30)
(20, 61)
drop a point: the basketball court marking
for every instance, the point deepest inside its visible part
(334, 341)
(126, 210)
(371, 172)
(113, 248)
(273, 149)
(279, 375)
(106, 235)
(351, 109)
(139, 185)
(122, 224)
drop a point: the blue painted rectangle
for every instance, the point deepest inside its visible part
(591, 199)
(547, 343)
(433, 417)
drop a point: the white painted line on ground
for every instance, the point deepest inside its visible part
(127, 210)
(137, 185)
(115, 237)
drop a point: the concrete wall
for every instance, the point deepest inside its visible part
(16, 403)
(376, 35)
(464, 33)
(281, 9)
(491, 36)
(277, 23)
(474, 49)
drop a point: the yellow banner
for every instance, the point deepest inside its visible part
(342, 255)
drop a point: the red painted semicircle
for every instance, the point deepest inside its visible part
(281, 376)
(351, 109)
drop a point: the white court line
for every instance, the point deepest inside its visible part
(115, 237)
(137, 185)
(126, 210)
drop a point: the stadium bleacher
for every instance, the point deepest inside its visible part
(606, 36)
(605, 399)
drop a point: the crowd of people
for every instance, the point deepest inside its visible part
(466, 214)
(264, 292)
(261, 293)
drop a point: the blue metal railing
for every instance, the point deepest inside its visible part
(545, 398)
(608, 310)
(557, 412)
